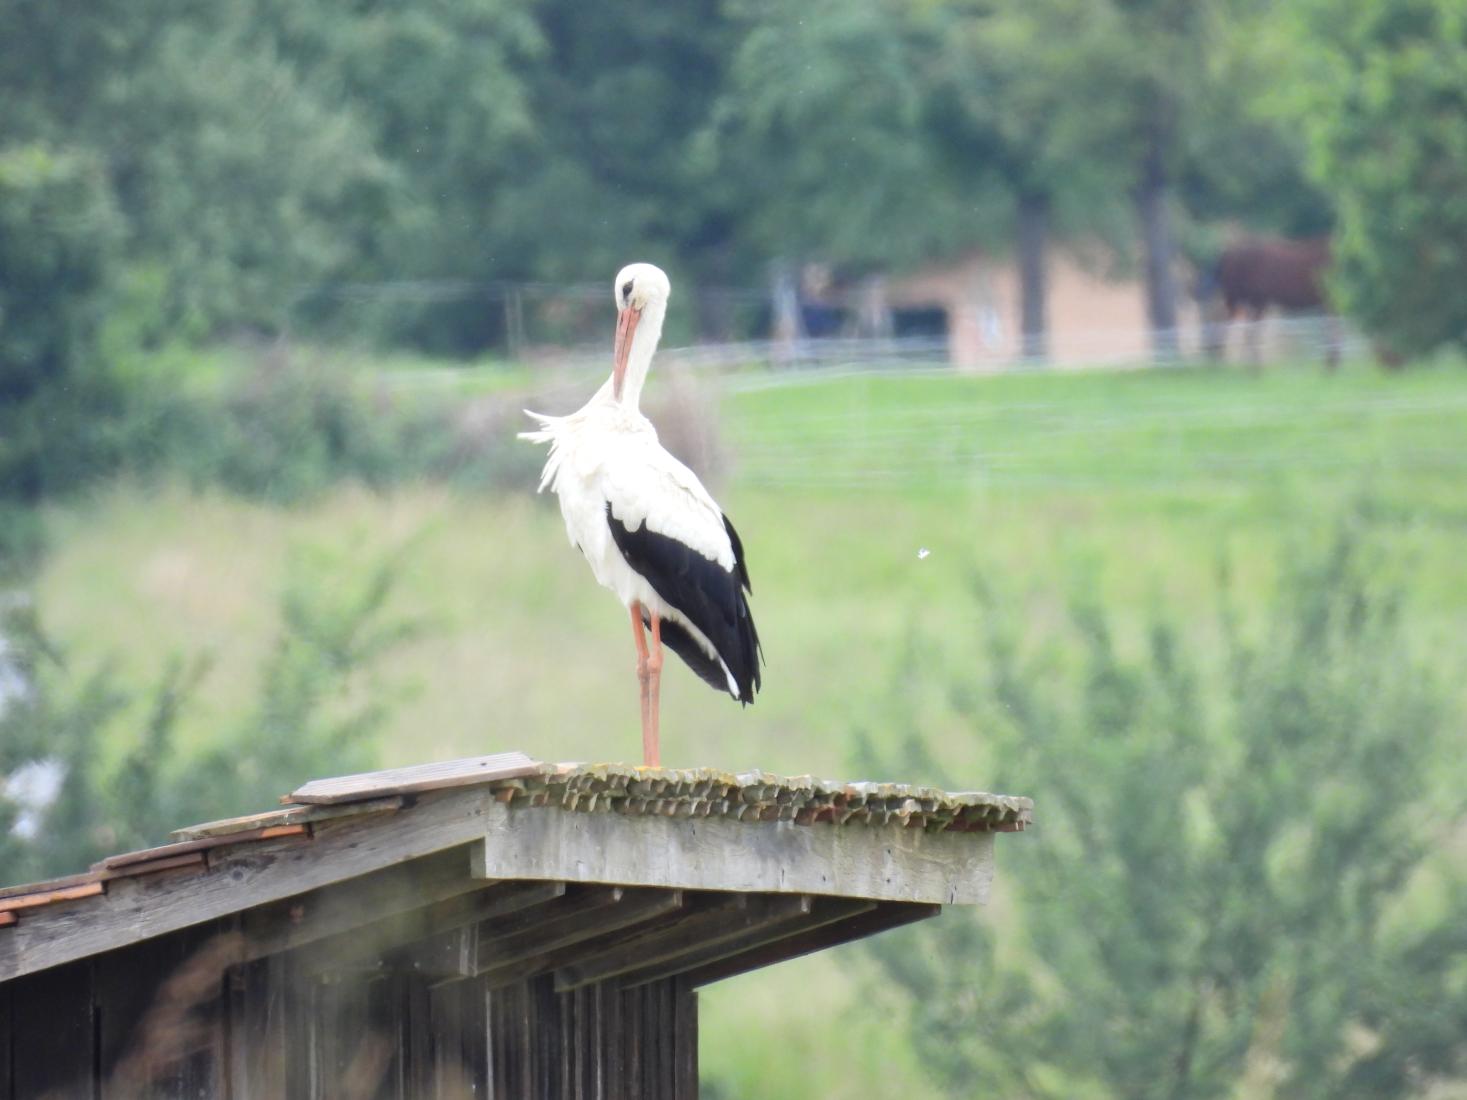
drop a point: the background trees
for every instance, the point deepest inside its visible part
(1236, 872)
(256, 151)
(1378, 92)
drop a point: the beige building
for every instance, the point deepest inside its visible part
(1094, 317)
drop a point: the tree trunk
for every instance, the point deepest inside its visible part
(1152, 196)
(1033, 277)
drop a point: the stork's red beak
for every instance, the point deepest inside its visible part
(626, 325)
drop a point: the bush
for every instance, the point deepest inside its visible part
(82, 784)
(286, 429)
(1236, 885)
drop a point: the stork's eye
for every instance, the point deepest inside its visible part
(626, 291)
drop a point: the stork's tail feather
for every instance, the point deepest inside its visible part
(549, 433)
(546, 434)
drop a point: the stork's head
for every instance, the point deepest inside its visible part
(638, 289)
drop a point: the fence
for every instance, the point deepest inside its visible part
(721, 328)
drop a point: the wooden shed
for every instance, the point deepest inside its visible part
(493, 927)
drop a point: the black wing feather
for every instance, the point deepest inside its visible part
(738, 549)
(711, 597)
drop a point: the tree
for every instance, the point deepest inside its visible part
(1237, 885)
(1127, 87)
(1379, 92)
(58, 246)
(235, 179)
(818, 146)
(1008, 121)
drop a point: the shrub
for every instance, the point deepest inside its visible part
(1236, 885)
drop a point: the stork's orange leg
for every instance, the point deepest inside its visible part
(644, 677)
(651, 744)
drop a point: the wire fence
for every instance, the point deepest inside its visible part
(722, 329)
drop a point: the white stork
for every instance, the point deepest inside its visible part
(651, 532)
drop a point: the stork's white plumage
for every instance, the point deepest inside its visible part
(649, 529)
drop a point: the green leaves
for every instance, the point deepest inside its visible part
(1380, 94)
(317, 713)
(1235, 885)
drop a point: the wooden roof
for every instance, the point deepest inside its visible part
(514, 867)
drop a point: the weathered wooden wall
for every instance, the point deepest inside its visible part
(164, 1019)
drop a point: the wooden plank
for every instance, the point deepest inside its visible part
(418, 777)
(287, 815)
(158, 1013)
(7, 1032)
(632, 1039)
(7, 918)
(367, 943)
(685, 1040)
(22, 902)
(416, 1045)
(884, 917)
(460, 1042)
(135, 909)
(717, 925)
(164, 851)
(713, 853)
(824, 911)
(512, 959)
(258, 995)
(47, 884)
(183, 861)
(52, 1046)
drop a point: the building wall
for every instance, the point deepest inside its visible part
(1094, 318)
(168, 1018)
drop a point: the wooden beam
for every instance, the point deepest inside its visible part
(825, 911)
(444, 956)
(883, 863)
(136, 909)
(455, 953)
(380, 937)
(886, 916)
(515, 958)
(356, 904)
(725, 922)
(691, 905)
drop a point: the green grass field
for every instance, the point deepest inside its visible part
(1138, 483)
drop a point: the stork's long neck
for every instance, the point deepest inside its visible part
(639, 358)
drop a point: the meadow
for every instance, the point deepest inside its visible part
(871, 506)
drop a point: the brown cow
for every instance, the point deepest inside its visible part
(1255, 273)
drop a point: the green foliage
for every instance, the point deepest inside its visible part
(58, 240)
(57, 237)
(818, 145)
(289, 427)
(1380, 93)
(318, 713)
(1236, 885)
